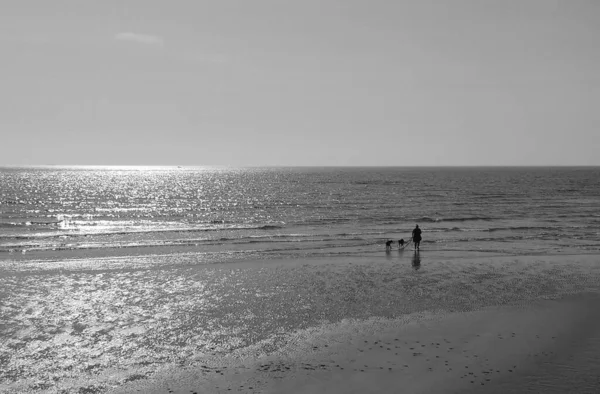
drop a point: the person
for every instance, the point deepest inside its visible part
(416, 237)
(388, 245)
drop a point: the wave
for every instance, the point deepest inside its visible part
(199, 243)
(13, 224)
(316, 239)
(477, 239)
(28, 224)
(428, 219)
(12, 202)
(73, 229)
(538, 228)
(308, 240)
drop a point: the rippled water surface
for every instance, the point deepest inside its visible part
(279, 209)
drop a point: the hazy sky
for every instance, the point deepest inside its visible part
(302, 82)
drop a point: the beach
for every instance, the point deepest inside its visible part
(526, 325)
(547, 346)
(312, 325)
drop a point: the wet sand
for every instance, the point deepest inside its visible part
(550, 346)
(168, 323)
(538, 337)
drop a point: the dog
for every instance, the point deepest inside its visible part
(388, 245)
(401, 243)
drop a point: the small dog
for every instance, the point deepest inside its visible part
(388, 245)
(401, 243)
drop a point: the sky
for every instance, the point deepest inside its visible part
(300, 82)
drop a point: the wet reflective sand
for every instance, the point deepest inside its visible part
(117, 325)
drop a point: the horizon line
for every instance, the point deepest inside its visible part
(290, 166)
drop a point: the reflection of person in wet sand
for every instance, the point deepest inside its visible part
(416, 260)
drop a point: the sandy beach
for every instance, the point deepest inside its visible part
(432, 322)
(530, 324)
(550, 346)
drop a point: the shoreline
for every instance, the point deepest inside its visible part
(189, 256)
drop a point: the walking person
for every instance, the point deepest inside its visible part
(416, 237)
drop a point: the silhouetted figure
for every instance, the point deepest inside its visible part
(400, 243)
(416, 237)
(388, 245)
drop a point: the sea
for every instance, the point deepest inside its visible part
(221, 213)
(115, 275)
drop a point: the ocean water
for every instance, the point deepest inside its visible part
(113, 276)
(74, 212)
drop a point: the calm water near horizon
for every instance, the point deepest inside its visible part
(112, 276)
